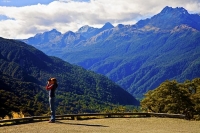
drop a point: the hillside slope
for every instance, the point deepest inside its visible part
(24, 71)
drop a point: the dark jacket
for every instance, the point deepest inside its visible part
(51, 88)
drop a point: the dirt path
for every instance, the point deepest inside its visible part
(108, 125)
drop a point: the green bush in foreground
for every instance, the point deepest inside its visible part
(174, 97)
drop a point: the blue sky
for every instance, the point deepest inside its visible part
(23, 2)
(19, 3)
(20, 19)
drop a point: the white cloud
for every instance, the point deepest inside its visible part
(65, 15)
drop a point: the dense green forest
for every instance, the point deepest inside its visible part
(174, 97)
(19, 96)
(24, 72)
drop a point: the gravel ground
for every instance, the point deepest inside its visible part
(108, 125)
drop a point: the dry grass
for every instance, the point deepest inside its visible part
(108, 125)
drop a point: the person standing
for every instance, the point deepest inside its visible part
(51, 87)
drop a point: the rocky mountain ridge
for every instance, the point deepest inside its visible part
(138, 57)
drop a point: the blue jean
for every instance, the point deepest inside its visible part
(52, 107)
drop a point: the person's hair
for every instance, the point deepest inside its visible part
(54, 80)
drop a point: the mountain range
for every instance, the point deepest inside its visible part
(137, 57)
(24, 71)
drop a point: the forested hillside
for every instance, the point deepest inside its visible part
(137, 57)
(24, 72)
